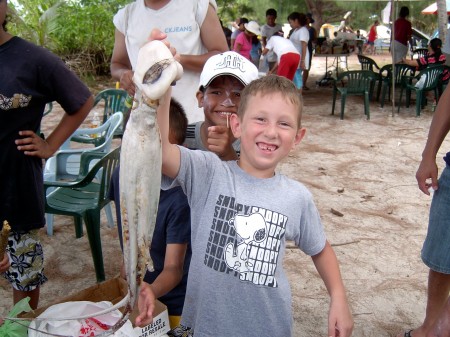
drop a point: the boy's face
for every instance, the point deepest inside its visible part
(268, 132)
(220, 99)
(270, 19)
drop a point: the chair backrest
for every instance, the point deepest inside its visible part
(357, 81)
(419, 52)
(430, 76)
(101, 172)
(114, 101)
(367, 63)
(400, 70)
(65, 164)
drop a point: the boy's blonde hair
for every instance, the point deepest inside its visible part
(268, 85)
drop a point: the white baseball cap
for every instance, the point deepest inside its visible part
(253, 27)
(228, 63)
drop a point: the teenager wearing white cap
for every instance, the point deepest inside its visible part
(223, 78)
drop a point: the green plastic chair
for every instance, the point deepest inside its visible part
(113, 101)
(85, 198)
(367, 63)
(430, 76)
(419, 52)
(355, 82)
(385, 79)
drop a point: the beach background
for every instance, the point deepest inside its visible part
(362, 176)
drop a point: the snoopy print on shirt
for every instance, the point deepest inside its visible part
(246, 240)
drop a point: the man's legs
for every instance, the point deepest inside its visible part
(33, 294)
(442, 326)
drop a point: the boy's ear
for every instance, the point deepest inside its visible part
(299, 136)
(200, 96)
(235, 124)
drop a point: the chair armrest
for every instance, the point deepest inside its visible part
(86, 159)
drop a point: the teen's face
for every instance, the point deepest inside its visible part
(220, 99)
(294, 24)
(268, 132)
(270, 19)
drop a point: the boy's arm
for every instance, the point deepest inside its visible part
(213, 38)
(340, 322)
(170, 276)
(170, 152)
(33, 145)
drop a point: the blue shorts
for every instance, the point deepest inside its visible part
(298, 79)
(436, 248)
(26, 272)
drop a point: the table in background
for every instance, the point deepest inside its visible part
(335, 64)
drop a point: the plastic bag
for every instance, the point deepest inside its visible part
(420, 83)
(14, 329)
(83, 327)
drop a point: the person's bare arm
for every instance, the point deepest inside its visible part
(33, 145)
(213, 39)
(172, 272)
(170, 152)
(440, 125)
(121, 65)
(340, 321)
(303, 55)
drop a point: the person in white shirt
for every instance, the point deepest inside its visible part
(287, 55)
(192, 27)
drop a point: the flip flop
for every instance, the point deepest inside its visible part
(408, 334)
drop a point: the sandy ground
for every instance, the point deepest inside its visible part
(363, 169)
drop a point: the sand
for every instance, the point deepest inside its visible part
(364, 170)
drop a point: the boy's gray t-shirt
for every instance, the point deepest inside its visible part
(239, 226)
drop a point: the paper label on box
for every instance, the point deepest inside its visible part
(159, 327)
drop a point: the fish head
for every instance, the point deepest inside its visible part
(156, 69)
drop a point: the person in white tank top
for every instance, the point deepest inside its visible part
(192, 27)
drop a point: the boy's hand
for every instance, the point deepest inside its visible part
(220, 140)
(340, 321)
(4, 263)
(33, 145)
(146, 305)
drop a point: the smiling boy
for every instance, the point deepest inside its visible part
(242, 214)
(223, 78)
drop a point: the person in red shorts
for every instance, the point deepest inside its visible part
(370, 46)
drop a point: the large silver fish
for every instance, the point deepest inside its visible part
(140, 160)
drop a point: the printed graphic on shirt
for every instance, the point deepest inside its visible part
(245, 240)
(18, 100)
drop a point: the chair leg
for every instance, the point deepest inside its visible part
(109, 215)
(334, 102)
(419, 99)
(400, 100)
(366, 105)
(49, 222)
(383, 95)
(343, 98)
(78, 226)
(92, 221)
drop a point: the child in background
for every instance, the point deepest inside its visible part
(287, 55)
(222, 79)
(170, 248)
(242, 213)
(30, 77)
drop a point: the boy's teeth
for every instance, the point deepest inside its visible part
(267, 147)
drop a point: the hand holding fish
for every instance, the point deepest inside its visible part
(146, 305)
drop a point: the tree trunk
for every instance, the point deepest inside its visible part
(442, 19)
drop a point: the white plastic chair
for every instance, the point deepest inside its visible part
(65, 164)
